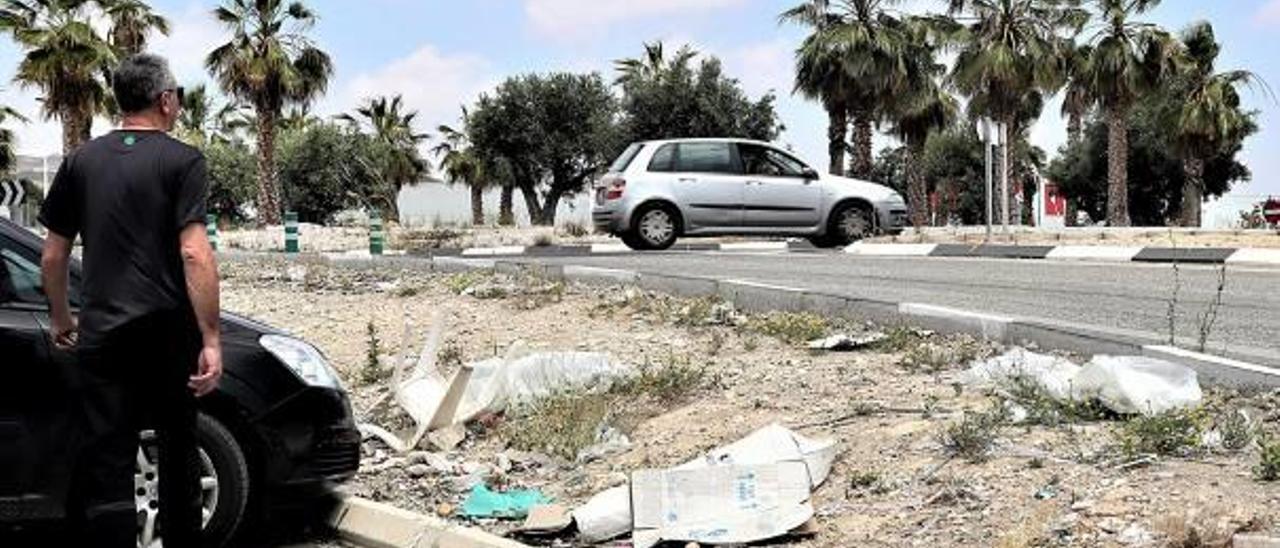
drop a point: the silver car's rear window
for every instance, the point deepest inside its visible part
(625, 158)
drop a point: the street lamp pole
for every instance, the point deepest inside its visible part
(1004, 178)
(984, 129)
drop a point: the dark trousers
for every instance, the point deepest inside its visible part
(137, 379)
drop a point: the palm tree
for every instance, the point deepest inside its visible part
(196, 117)
(1129, 59)
(461, 164)
(131, 22)
(854, 63)
(1208, 116)
(65, 59)
(393, 128)
(269, 63)
(924, 108)
(8, 141)
(653, 65)
(1010, 55)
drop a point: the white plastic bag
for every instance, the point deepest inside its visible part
(1053, 375)
(1135, 384)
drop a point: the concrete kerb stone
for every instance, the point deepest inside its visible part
(1217, 370)
(522, 268)
(682, 286)
(951, 320)
(455, 264)
(1254, 256)
(1081, 339)
(376, 525)
(599, 276)
(757, 297)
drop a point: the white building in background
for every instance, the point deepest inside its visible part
(1225, 212)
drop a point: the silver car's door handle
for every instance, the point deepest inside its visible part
(687, 179)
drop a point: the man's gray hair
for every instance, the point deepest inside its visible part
(139, 81)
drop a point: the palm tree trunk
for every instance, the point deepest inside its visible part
(1118, 166)
(268, 196)
(506, 211)
(73, 130)
(861, 167)
(837, 130)
(1072, 213)
(1192, 192)
(917, 193)
(477, 204)
(1075, 128)
(531, 204)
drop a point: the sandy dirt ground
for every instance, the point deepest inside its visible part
(895, 481)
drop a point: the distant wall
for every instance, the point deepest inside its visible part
(437, 203)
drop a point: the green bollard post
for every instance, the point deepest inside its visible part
(211, 225)
(377, 238)
(290, 232)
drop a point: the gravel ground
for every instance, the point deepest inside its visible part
(894, 483)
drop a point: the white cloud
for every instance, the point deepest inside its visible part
(1268, 14)
(433, 83)
(567, 19)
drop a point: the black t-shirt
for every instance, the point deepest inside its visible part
(128, 195)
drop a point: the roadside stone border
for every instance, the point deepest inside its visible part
(1188, 255)
(1240, 368)
(372, 524)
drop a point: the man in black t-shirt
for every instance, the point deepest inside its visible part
(147, 338)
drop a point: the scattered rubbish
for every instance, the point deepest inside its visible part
(417, 470)
(731, 504)
(609, 514)
(546, 519)
(448, 439)
(513, 504)
(1124, 384)
(435, 461)
(1051, 374)
(610, 441)
(444, 510)
(439, 407)
(845, 343)
(1134, 384)
(374, 431)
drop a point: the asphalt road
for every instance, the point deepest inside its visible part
(1131, 296)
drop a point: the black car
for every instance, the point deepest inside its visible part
(279, 424)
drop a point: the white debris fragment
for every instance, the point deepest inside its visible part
(844, 343)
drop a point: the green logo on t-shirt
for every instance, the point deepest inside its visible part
(129, 140)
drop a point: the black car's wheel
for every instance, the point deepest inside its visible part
(653, 227)
(224, 484)
(849, 223)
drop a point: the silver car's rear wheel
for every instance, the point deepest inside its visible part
(655, 227)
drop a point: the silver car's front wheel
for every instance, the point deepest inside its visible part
(146, 484)
(853, 223)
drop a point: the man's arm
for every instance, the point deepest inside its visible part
(201, 271)
(54, 262)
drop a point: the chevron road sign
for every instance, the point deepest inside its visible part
(11, 193)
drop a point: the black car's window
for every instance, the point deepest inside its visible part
(767, 162)
(663, 159)
(706, 158)
(21, 283)
(624, 160)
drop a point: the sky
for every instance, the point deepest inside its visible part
(441, 54)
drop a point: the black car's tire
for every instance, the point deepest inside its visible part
(849, 222)
(653, 227)
(234, 483)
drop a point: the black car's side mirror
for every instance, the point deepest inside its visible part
(810, 174)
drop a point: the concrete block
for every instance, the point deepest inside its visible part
(600, 276)
(755, 246)
(997, 251)
(1217, 370)
(1204, 255)
(522, 268)
(890, 250)
(377, 525)
(758, 297)
(953, 250)
(493, 251)
(1082, 339)
(456, 264)
(610, 248)
(558, 251)
(1254, 256)
(682, 286)
(1255, 541)
(951, 320)
(1093, 253)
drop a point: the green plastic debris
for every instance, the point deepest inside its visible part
(513, 504)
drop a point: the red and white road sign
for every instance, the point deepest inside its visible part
(1271, 211)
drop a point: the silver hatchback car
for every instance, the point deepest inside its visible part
(657, 191)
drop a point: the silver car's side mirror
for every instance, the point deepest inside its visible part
(810, 174)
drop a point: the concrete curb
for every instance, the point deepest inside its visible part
(375, 525)
(1191, 255)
